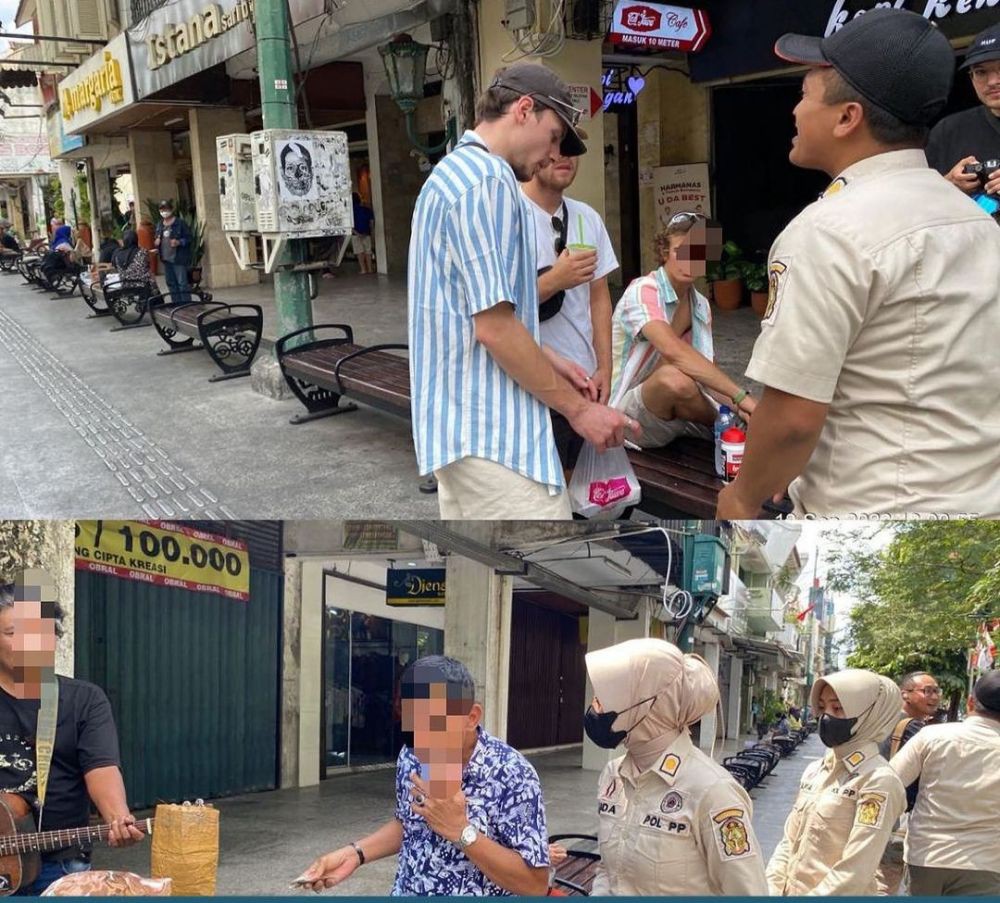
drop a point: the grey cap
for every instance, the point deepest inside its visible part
(545, 87)
(895, 58)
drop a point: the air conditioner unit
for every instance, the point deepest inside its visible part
(302, 183)
(236, 185)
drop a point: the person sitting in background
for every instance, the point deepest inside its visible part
(57, 260)
(132, 262)
(794, 721)
(781, 728)
(8, 242)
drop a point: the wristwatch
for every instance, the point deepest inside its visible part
(468, 837)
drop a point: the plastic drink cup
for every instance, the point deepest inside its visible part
(581, 248)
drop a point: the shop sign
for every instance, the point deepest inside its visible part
(621, 91)
(415, 586)
(845, 10)
(59, 142)
(24, 154)
(98, 87)
(654, 25)
(681, 189)
(185, 37)
(164, 554)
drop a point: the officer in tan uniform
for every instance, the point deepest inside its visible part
(849, 800)
(671, 821)
(878, 348)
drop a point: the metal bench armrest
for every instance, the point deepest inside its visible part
(281, 346)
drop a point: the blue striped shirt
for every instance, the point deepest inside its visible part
(472, 246)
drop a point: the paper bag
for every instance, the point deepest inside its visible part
(186, 848)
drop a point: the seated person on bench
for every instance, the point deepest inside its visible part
(661, 344)
(8, 243)
(57, 260)
(132, 263)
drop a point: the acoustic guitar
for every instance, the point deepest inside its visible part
(21, 845)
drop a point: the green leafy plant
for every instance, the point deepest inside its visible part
(771, 708)
(755, 276)
(84, 197)
(730, 266)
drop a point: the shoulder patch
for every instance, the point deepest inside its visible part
(776, 269)
(732, 836)
(871, 809)
(671, 762)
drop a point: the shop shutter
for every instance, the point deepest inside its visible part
(89, 19)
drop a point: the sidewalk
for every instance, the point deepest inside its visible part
(267, 839)
(74, 390)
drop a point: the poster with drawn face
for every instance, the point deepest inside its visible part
(296, 177)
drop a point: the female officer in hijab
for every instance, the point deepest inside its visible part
(849, 800)
(672, 821)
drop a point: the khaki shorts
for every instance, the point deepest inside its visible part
(477, 489)
(657, 432)
(361, 244)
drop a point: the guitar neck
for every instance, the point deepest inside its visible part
(57, 840)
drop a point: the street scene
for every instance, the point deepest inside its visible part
(604, 260)
(267, 673)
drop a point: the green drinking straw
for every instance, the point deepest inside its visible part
(579, 227)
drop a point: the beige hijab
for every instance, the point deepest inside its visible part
(675, 691)
(873, 699)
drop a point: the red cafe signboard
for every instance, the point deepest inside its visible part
(660, 27)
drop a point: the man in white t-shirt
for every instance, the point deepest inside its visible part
(574, 299)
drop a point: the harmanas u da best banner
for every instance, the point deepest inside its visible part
(164, 554)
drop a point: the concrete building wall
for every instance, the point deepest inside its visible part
(151, 162)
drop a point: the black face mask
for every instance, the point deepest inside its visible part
(598, 726)
(835, 731)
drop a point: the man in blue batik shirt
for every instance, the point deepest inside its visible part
(469, 818)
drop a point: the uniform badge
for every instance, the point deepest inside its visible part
(835, 186)
(774, 273)
(732, 834)
(610, 790)
(855, 759)
(871, 809)
(671, 802)
(670, 764)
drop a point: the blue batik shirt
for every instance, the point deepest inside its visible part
(503, 801)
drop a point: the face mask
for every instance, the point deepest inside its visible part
(597, 726)
(835, 732)
(165, 214)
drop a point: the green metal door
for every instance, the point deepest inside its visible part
(193, 680)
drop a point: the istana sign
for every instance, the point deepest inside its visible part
(185, 37)
(98, 87)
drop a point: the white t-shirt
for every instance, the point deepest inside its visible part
(570, 332)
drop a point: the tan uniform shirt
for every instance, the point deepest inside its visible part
(954, 821)
(681, 828)
(839, 826)
(885, 304)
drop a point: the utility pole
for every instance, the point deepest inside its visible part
(280, 111)
(813, 594)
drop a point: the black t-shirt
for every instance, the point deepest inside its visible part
(885, 748)
(85, 739)
(9, 242)
(971, 133)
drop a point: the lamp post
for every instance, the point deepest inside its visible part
(405, 62)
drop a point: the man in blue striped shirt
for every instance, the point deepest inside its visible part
(481, 384)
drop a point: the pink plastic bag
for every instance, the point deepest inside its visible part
(603, 484)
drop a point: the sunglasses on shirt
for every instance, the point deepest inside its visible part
(548, 309)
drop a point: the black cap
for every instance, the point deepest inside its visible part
(985, 47)
(545, 87)
(166, 204)
(987, 691)
(894, 58)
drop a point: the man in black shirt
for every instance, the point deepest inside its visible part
(972, 136)
(7, 241)
(85, 765)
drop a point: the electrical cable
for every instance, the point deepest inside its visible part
(546, 43)
(680, 602)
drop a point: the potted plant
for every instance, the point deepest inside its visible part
(726, 277)
(755, 279)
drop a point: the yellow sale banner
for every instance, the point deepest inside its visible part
(165, 554)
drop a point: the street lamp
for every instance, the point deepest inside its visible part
(405, 62)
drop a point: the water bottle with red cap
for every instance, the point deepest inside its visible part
(733, 443)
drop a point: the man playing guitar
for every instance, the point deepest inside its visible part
(84, 763)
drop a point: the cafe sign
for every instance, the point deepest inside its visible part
(657, 26)
(844, 10)
(415, 586)
(100, 86)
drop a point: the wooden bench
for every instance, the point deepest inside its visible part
(323, 371)
(574, 876)
(230, 333)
